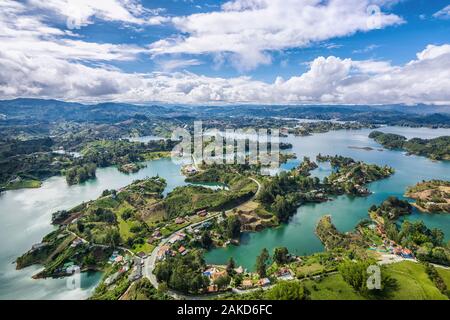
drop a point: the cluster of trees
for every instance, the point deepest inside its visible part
(358, 275)
(111, 152)
(183, 273)
(282, 194)
(283, 290)
(232, 226)
(436, 278)
(436, 148)
(392, 208)
(81, 173)
(428, 244)
(144, 290)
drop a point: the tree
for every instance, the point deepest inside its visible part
(261, 263)
(205, 240)
(288, 290)
(112, 237)
(231, 265)
(223, 281)
(280, 255)
(233, 227)
(282, 208)
(356, 275)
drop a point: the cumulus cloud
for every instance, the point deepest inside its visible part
(443, 13)
(81, 12)
(250, 29)
(328, 80)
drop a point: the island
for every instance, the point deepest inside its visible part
(435, 149)
(431, 196)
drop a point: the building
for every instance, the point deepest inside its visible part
(264, 282)
(239, 270)
(202, 213)
(247, 284)
(182, 250)
(179, 236)
(163, 252)
(285, 274)
(179, 220)
(212, 288)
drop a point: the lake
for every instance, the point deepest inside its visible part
(25, 215)
(298, 235)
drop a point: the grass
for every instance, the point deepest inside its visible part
(124, 226)
(332, 287)
(24, 184)
(412, 284)
(311, 269)
(146, 247)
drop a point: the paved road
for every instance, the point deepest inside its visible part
(150, 261)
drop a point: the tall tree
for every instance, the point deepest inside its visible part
(261, 263)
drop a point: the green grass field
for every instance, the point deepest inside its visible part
(412, 284)
(28, 184)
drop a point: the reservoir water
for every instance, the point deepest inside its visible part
(25, 215)
(298, 235)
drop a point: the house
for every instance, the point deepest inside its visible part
(177, 237)
(118, 259)
(218, 274)
(142, 255)
(179, 220)
(162, 252)
(191, 170)
(181, 250)
(212, 288)
(247, 284)
(239, 270)
(397, 251)
(72, 269)
(38, 246)
(285, 274)
(202, 213)
(77, 242)
(157, 234)
(264, 282)
(407, 254)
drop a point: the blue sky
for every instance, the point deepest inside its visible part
(237, 51)
(398, 44)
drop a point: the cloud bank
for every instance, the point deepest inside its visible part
(38, 60)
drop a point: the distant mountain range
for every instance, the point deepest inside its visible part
(29, 110)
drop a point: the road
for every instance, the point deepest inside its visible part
(150, 261)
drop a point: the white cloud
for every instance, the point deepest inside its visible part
(328, 80)
(433, 51)
(38, 60)
(443, 14)
(249, 29)
(174, 64)
(81, 12)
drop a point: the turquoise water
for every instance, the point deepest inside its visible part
(25, 215)
(298, 235)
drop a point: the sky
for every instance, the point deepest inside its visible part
(207, 52)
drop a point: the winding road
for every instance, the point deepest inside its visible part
(150, 261)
